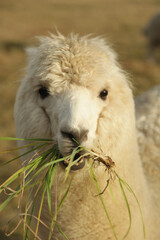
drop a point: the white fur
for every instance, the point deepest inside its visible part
(75, 70)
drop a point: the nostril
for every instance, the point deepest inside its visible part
(68, 135)
(84, 135)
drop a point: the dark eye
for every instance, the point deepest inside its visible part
(103, 94)
(43, 92)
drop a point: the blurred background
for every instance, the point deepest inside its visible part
(121, 22)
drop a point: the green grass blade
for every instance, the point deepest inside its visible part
(60, 230)
(74, 152)
(27, 139)
(19, 148)
(31, 167)
(49, 181)
(45, 154)
(43, 166)
(22, 155)
(11, 179)
(139, 206)
(5, 203)
(101, 199)
(10, 197)
(40, 211)
(128, 208)
(58, 209)
(32, 211)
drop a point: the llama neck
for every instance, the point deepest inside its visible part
(129, 165)
(125, 154)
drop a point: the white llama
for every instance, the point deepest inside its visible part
(75, 88)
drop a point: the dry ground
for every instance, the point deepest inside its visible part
(120, 21)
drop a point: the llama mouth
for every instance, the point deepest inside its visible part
(78, 164)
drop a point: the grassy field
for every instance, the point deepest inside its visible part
(119, 21)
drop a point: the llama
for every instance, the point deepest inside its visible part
(74, 88)
(148, 125)
(152, 33)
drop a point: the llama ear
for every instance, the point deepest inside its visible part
(31, 52)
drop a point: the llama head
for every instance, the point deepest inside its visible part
(73, 92)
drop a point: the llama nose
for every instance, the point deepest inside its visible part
(75, 135)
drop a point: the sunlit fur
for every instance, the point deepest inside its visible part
(75, 70)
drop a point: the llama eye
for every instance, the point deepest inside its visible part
(43, 92)
(103, 94)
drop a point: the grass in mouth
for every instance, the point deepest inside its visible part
(37, 176)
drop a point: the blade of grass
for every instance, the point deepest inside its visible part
(60, 230)
(22, 155)
(14, 177)
(18, 189)
(11, 179)
(45, 155)
(49, 181)
(30, 229)
(58, 209)
(111, 192)
(74, 152)
(43, 166)
(27, 139)
(36, 218)
(13, 230)
(101, 199)
(31, 213)
(18, 148)
(128, 208)
(39, 213)
(35, 199)
(33, 165)
(139, 206)
(5, 203)
(36, 174)
(29, 204)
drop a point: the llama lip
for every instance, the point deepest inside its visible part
(78, 165)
